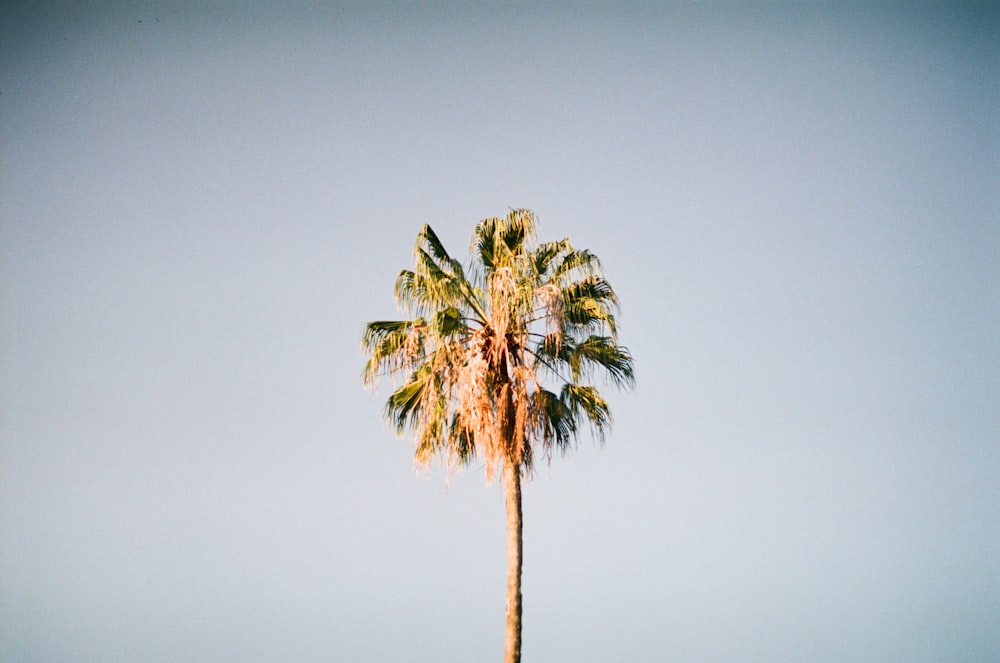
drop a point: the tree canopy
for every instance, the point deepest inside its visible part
(498, 359)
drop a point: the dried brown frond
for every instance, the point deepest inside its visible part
(502, 288)
(551, 299)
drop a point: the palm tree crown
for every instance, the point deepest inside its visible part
(482, 345)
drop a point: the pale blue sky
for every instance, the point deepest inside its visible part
(201, 206)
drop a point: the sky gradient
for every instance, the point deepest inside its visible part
(201, 205)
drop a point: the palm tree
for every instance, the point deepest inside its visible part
(480, 350)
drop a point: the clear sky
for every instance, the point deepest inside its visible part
(201, 204)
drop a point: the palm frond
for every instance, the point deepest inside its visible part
(432, 244)
(484, 246)
(519, 227)
(573, 260)
(403, 408)
(391, 345)
(545, 253)
(583, 358)
(432, 434)
(406, 288)
(589, 303)
(429, 244)
(499, 242)
(432, 285)
(601, 352)
(585, 402)
(439, 281)
(463, 440)
(552, 422)
(449, 322)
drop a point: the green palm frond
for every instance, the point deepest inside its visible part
(592, 287)
(580, 261)
(439, 283)
(593, 353)
(544, 255)
(391, 345)
(585, 402)
(429, 239)
(433, 439)
(589, 303)
(435, 249)
(385, 336)
(403, 408)
(519, 227)
(437, 280)
(406, 288)
(602, 352)
(448, 322)
(500, 242)
(554, 423)
(484, 245)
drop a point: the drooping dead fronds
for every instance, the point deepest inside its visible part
(551, 302)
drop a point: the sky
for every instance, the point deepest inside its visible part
(202, 204)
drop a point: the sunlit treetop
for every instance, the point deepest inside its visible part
(497, 359)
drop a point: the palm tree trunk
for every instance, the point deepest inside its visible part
(512, 640)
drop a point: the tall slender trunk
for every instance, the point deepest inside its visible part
(512, 640)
